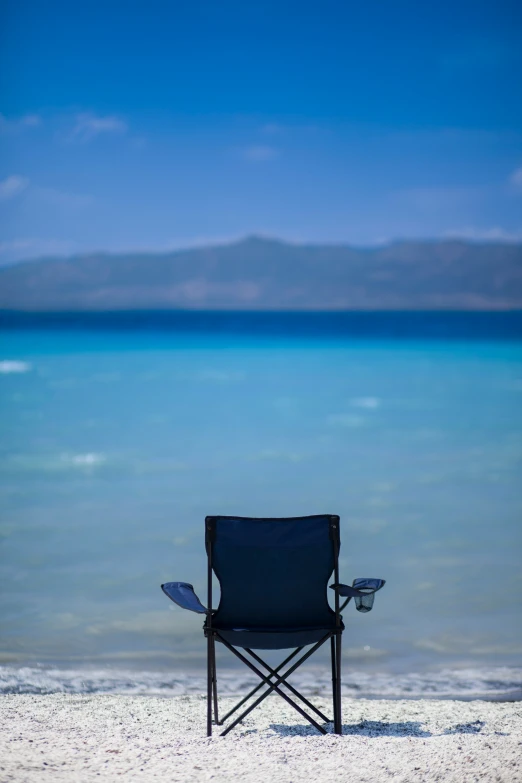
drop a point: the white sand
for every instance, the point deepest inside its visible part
(86, 738)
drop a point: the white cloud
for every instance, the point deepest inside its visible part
(260, 153)
(516, 178)
(88, 126)
(12, 186)
(15, 125)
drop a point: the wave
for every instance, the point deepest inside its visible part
(90, 459)
(56, 463)
(366, 402)
(495, 684)
(8, 366)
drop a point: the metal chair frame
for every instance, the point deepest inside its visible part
(274, 679)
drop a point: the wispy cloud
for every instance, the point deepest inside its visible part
(88, 126)
(138, 142)
(493, 234)
(12, 186)
(18, 124)
(438, 199)
(34, 247)
(31, 120)
(271, 129)
(259, 153)
(516, 178)
(62, 198)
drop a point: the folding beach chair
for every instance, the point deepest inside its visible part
(273, 575)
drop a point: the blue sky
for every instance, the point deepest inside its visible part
(154, 125)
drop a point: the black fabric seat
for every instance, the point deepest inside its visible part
(273, 576)
(272, 640)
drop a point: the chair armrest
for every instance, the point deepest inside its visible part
(183, 595)
(362, 590)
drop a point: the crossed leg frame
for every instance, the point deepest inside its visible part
(273, 680)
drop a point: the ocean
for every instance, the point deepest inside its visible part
(121, 433)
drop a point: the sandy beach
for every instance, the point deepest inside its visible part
(63, 737)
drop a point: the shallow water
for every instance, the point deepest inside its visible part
(117, 444)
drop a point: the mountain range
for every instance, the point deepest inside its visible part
(266, 274)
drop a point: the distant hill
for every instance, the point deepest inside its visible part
(262, 274)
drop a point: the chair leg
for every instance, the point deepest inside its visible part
(334, 679)
(214, 682)
(338, 724)
(209, 684)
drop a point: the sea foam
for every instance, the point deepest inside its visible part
(495, 683)
(10, 366)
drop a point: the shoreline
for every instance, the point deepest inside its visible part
(489, 683)
(72, 737)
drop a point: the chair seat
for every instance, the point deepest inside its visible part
(256, 639)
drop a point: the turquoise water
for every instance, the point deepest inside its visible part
(115, 445)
